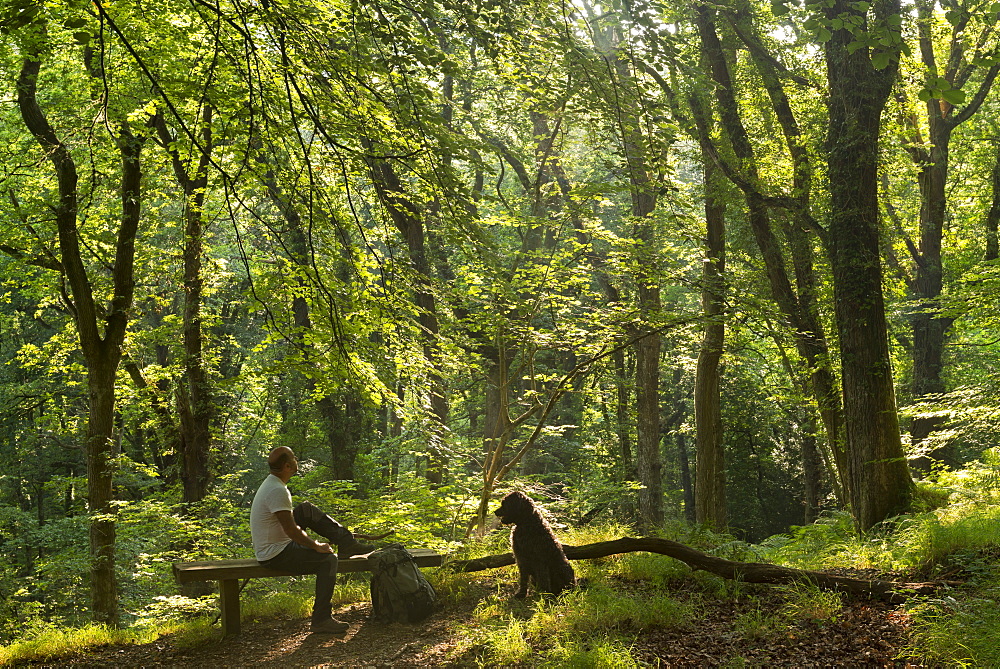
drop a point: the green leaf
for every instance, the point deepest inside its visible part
(854, 46)
(823, 35)
(954, 96)
(22, 18)
(880, 60)
(779, 8)
(925, 94)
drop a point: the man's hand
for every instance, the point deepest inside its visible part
(323, 548)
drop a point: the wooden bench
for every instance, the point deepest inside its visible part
(229, 572)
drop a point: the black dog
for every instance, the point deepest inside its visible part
(538, 553)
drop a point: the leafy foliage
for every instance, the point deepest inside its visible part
(419, 264)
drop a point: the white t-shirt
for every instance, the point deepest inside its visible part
(269, 538)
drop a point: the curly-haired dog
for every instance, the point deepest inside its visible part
(538, 553)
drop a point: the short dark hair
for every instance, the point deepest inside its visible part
(278, 460)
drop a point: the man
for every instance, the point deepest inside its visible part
(279, 541)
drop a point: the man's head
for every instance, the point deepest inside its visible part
(283, 463)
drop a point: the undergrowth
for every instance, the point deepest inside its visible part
(957, 632)
(956, 536)
(50, 643)
(592, 626)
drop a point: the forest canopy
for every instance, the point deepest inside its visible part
(733, 263)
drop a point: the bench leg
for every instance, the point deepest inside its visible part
(229, 602)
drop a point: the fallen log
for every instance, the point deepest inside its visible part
(749, 572)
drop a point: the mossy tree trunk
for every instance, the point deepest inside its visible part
(879, 481)
(102, 351)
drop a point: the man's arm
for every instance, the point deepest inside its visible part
(296, 534)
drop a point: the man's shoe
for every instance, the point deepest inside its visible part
(353, 547)
(329, 626)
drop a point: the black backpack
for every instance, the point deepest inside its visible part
(400, 593)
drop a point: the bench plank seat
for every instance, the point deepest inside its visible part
(229, 573)
(221, 570)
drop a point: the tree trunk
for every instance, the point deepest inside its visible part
(799, 307)
(395, 433)
(993, 215)
(686, 486)
(929, 327)
(622, 421)
(648, 460)
(812, 468)
(811, 344)
(102, 354)
(340, 419)
(336, 416)
(194, 397)
(100, 490)
(642, 188)
(880, 485)
(710, 467)
(496, 425)
(407, 218)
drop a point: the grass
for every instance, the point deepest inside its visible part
(581, 628)
(193, 633)
(807, 602)
(608, 652)
(188, 622)
(647, 567)
(276, 605)
(957, 633)
(51, 643)
(916, 543)
(507, 643)
(757, 624)
(600, 608)
(802, 602)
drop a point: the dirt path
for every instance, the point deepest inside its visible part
(288, 643)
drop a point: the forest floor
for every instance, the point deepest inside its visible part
(860, 634)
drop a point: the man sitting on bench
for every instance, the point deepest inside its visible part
(279, 541)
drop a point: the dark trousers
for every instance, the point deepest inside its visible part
(309, 517)
(298, 559)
